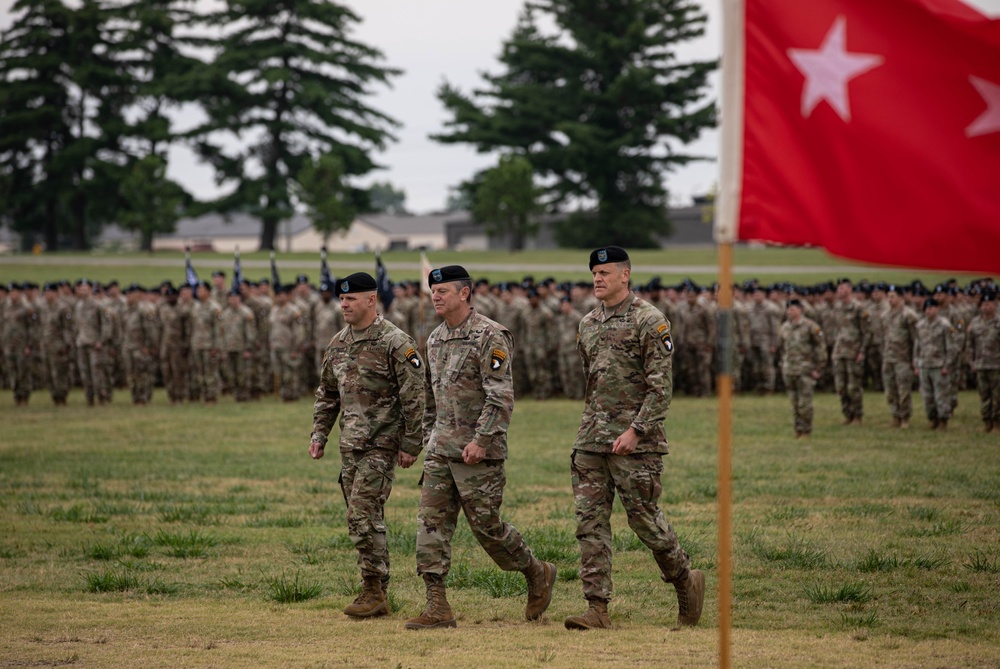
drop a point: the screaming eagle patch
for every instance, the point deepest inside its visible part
(663, 331)
(411, 355)
(497, 360)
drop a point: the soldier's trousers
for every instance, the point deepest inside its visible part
(636, 478)
(366, 480)
(988, 384)
(571, 373)
(205, 374)
(762, 369)
(57, 372)
(139, 375)
(897, 378)
(450, 486)
(237, 374)
(935, 388)
(287, 368)
(174, 367)
(19, 373)
(847, 377)
(94, 374)
(697, 364)
(800, 389)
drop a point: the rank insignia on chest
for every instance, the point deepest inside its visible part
(412, 356)
(664, 333)
(497, 359)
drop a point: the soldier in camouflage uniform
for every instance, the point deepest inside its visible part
(899, 332)
(140, 332)
(540, 344)
(205, 340)
(699, 343)
(765, 323)
(803, 355)
(372, 377)
(328, 320)
(984, 343)
(469, 399)
(93, 333)
(19, 335)
(288, 343)
(238, 336)
(853, 335)
(936, 354)
(570, 366)
(57, 343)
(175, 336)
(626, 350)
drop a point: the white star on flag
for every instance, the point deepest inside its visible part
(829, 69)
(989, 120)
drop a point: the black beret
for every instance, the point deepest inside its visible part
(84, 282)
(51, 286)
(795, 303)
(606, 255)
(359, 282)
(281, 288)
(482, 282)
(447, 275)
(892, 288)
(219, 272)
(325, 287)
(233, 293)
(931, 303)
(302, 278)
(988, 297)
(14, 286)
(169, 291)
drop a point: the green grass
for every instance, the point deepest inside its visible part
(201, 536)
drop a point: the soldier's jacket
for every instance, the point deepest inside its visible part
(568, 325)
(261, 307)
(699, 324)
(765, 321)
(540, 330)
(20, 326)
(140, 329)
(899, 329)
(627, 365)
(468, 388)
(877, 312)
(205, 318)
(94, 323)
(741, 327)
(287, 327)
(237, 329)
(374, 380)
(328, 320)
(984, 342)
(852, 325)
(57, 326)
(937, 343)
(174, 327)
(803, 347)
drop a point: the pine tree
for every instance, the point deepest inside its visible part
(597, 107)
(289, 84)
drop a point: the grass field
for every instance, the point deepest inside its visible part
(206, 537)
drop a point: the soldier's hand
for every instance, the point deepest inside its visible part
(316, 450)
(944, 371)
(473, 453)
(626, 443)
(406, 460)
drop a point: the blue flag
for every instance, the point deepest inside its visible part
(237, 272)
(385, 293)
(324, 271)
(190, 277)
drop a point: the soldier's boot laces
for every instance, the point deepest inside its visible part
(595, 618)
(541, 577)
(371, 602)
(437, 613)
(690, 598)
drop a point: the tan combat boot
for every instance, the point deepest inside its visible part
(371, 602)
(437, 613)
(690, 598)
(596, 617)
(541, 577)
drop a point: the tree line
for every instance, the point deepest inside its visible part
(585, 114)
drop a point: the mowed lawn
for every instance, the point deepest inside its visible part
(206, 537)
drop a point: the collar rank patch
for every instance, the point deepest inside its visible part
(664, 332)
(412, 356)
(497, 360)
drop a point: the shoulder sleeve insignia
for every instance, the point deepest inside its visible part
(412, 357)
(497, 360)
(663, 332)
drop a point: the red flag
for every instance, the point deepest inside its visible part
(869, 127)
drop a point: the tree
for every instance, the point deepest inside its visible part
(386, 199)
(329, 202)
(288, 84)
(153, 203)
(596, 107)
(506, 199)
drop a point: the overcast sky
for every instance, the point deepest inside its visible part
(456, 40)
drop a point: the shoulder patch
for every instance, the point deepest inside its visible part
(497, 359)
(663, 332)
(413, 358)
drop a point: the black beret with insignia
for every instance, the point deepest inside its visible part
(931, 303)
(359, 282)
(608, 254)
(447, 275)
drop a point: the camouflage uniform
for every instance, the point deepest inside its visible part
(328, 320)
(853, 335)
(765, 322)
(139, 338)
(19, 336)
(93, 334)
(803, 351)
(263, 370)
(540, 346)
(469, 396)
(899, 328)
(373, 379)
(699, 345)
(175, 337)
(57, 346)
(936, 353)
(205, 340)
(288, 339)
(570, 365)
(627, 366)
(238, 337)
(984, 343)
